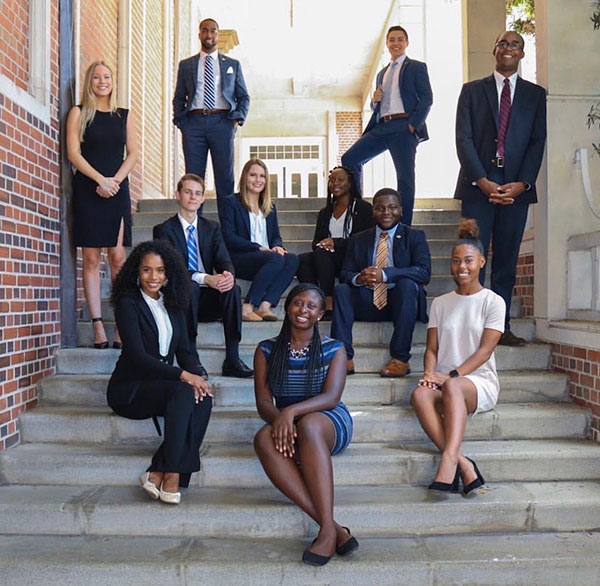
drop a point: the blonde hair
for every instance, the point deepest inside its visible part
(264, 199)
(88, 98)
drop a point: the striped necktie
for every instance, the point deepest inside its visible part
(192, 250)
(503, 116)
(209, 83)
(380, 291)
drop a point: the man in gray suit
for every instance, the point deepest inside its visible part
(210, 101)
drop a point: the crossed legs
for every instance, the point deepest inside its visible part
(309, 484)
(443, 417)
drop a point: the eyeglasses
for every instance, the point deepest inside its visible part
(514, 45)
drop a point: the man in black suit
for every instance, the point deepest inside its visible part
(382, 279)
(213, 294)
(500, 137)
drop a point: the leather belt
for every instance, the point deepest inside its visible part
(498, 162)
(389, 117)
(205, 112)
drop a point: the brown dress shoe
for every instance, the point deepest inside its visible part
(349, 367)
(509, 339)
(395, 368)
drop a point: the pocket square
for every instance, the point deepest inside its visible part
(229, 69)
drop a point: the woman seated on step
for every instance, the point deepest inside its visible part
(299, 378)
(460, 369)
(345, 214)
(251, 234)
(150, 295)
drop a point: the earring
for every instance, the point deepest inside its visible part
(166, 282)
(137, 281)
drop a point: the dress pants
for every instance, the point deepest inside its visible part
(185, 421)
(321, 267)
(401, 310)
(504, 227)
(207, 304)
(393, 136)
(270, 273)
(214, 133)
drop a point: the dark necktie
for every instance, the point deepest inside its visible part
(503, 116)
(209, 83)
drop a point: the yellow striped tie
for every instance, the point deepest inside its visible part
(380, 291)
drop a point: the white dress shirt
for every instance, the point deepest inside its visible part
(201, 274)
(258, 229)
(198, 101)
(163, 322)
(396, 105)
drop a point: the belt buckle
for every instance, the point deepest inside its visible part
(500, 162)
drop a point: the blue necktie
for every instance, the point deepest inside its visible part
(192, 251)
(387, 90)
(209, 84)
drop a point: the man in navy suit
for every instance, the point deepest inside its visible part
(398, 274)
(210, 101)
(400, 106)
(500, 144)
(214, 293)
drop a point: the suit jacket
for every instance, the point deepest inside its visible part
(140, 358)
(416, 94)
(477, 132)
(233, 87)
(362, 218)
(235, 224)
(411, 260)
(211, 247)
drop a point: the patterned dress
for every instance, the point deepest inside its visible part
(296, 389)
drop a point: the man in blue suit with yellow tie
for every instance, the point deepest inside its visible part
(210, 101)
(500, 137)
(400, 106)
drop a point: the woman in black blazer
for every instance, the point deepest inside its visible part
(345, 214)
(150, 295)
(251, 234)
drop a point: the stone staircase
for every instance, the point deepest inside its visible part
(71, 511)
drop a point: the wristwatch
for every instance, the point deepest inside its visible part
(453, 373)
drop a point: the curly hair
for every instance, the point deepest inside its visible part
(177, 289)
(354, 195)
(468, 233)
(278, 361)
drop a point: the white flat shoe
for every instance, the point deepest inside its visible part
(171, 498)
(148, 486)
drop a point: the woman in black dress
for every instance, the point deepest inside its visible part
(344, 215)
(150, 295)
(97, 134)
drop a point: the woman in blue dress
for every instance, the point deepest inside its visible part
(299, 378)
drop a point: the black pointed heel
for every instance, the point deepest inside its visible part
(99, 345)
(446, 486)
(479, 481)
(348, 546)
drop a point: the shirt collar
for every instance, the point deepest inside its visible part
(400, 60)
(500, 78)
(214, 55)
(151, 301)
(391, 232)
(184, 223)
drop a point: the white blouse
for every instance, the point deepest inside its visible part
(336, 225)
(163, 322)
(258, 229)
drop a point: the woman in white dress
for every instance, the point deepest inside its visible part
(460, 376)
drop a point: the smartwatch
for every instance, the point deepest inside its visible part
(453, 373)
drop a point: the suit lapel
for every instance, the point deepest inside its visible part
(370, 248)
(489, 87)
(145, 310)
(401, 74)
(204, 251)
(179, 236)
(194, 73)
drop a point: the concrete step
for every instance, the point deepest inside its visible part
(371, 424)
(535, 559)
(366, 358)
(549, 460)
(89, 390)
(211, 333)
(373, 511)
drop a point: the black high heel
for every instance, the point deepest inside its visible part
(479, 481)
(99, 345)
(446, 486)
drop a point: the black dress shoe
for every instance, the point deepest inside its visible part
(479, 481)
(509, 339)
(117, 345)
(314, 559)
(348, 546)
(236, 368)
(446, 486)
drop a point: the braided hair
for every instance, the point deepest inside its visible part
(278, 360)
(468, 233)
(354, 195)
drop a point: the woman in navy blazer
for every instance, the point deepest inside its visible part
(251, 234)
(150, 295)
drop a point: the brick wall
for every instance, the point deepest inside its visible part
(524, 284)
(583, 367)
(29, 227)
(348, 126)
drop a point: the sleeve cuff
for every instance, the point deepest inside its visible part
(199, 278)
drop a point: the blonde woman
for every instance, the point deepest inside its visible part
(251, 233)
(101, 146)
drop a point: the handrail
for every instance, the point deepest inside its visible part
(581, 158)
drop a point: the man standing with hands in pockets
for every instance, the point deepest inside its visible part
(400, 106)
